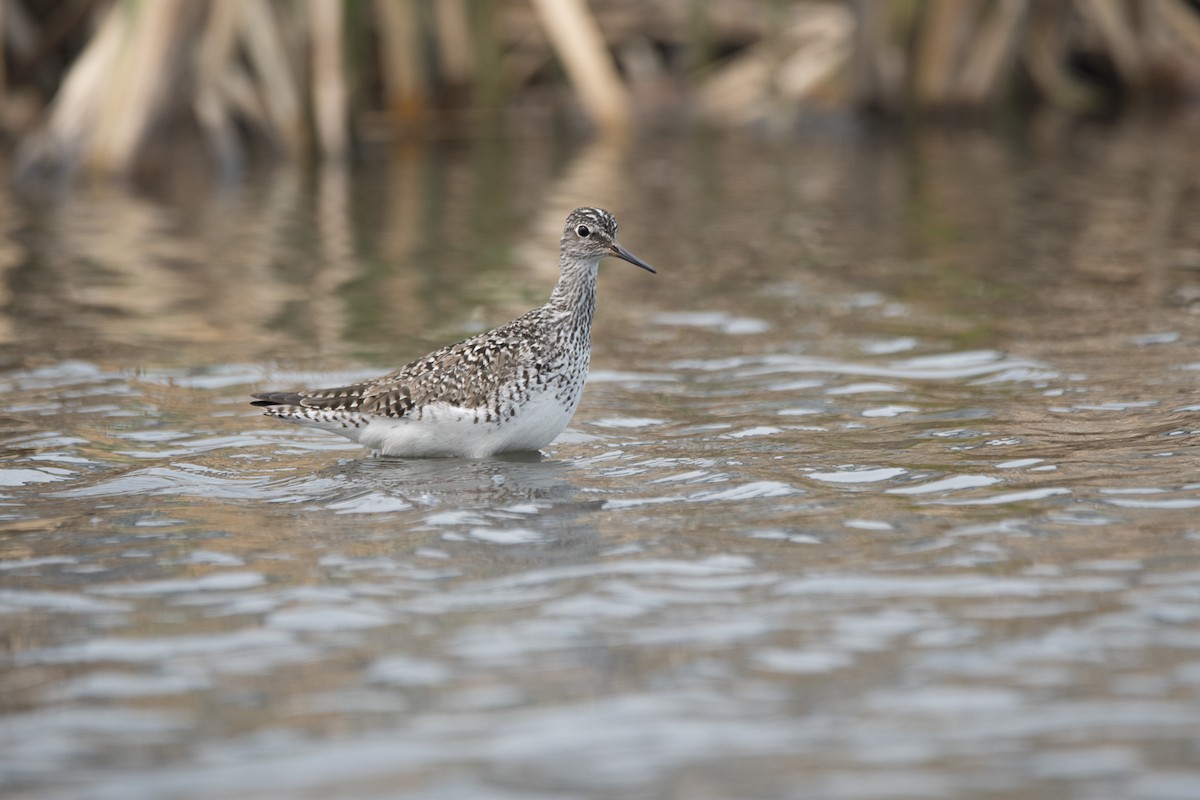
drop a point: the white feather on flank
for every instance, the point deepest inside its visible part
(449, 431)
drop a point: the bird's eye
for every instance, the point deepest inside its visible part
(583, 231)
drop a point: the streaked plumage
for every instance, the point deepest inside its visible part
(512, 388)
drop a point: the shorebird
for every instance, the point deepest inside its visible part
(511, 389)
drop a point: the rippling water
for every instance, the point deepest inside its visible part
(886, 486)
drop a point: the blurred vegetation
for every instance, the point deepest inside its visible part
(117, 85)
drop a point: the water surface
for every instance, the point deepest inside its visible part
(885, 486)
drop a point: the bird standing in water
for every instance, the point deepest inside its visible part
(511, 389)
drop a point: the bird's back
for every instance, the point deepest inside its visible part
(488, 379)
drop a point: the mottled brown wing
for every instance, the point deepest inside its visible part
(469, 374)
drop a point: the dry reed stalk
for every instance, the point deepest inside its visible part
(818, 46)
(491, 82)
(698, 37)
(211, 102)
(73, 111)
(1044, 49)
(811, 50)
(993, 52)
(1173, 46)
(3, 49)
(455, 48)
(403, 74)
(877, 64)
(1118, 34)
(115, 90)
(939, 47)
(329, 99)
(144, 72)
(260, 34)
(1181, 19)
(20, 38)
(1157, 42)
(577, 40)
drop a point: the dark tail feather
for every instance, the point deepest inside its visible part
(268, 399)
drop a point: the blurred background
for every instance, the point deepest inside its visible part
(120, 86)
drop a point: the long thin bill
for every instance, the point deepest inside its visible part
(622, 253)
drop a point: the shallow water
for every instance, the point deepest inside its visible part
(885, 486)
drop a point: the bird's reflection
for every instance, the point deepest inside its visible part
(467, 484)
(529, 505)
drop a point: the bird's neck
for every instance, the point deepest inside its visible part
(575, 292)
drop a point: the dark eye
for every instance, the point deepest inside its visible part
(583, 231)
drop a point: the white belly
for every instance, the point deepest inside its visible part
(444, 430)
